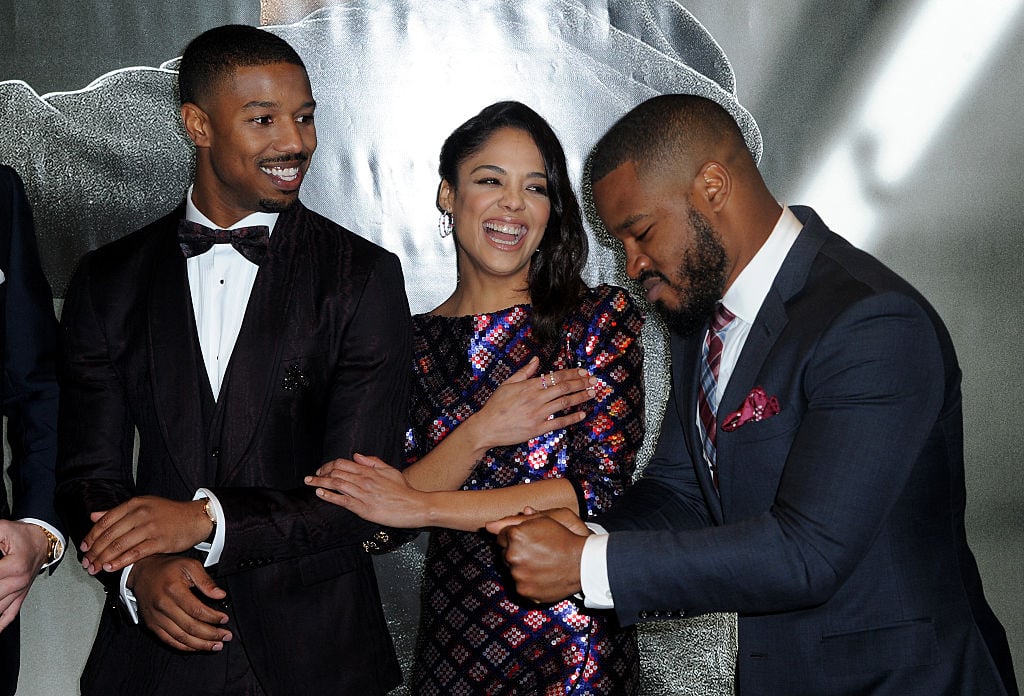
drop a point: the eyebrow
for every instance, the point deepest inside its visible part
(273, 104)
(498, 170)
(629, 222)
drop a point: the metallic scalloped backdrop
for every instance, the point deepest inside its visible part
(392, 79)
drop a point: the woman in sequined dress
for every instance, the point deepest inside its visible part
(529, 392)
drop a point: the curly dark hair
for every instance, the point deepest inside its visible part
(215, 53)
(555, 281)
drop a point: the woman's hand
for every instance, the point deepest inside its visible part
(525, 406)
(373, 490)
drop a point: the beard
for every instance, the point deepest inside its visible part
(276, 205)
(702, 274)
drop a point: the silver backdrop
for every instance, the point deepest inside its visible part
(392, 79)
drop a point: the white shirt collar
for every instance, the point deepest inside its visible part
(746, 295)
(193, 214)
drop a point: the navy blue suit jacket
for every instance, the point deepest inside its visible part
(29, 390)
(838, 530)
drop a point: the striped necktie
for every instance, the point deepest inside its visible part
(707, 394)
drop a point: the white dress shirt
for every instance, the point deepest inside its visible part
(220, 281)
(744, 299)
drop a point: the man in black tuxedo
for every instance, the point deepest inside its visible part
(30, 538)
(809, 474)
(243, 364)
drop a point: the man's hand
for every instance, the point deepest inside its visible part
(543, 551)
(167, 604)
(25, 549)
(141, 527)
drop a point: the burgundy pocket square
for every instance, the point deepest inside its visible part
(756, 407)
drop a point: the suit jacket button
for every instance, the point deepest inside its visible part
(215, 452)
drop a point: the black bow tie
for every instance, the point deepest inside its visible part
(250, 242)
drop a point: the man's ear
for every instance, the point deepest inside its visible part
(445, 196)
(713, 185)
(197, 124)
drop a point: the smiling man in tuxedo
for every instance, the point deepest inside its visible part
(809, 473)
(248, 340)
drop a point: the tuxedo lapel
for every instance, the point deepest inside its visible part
(172, 349)
(251, 374)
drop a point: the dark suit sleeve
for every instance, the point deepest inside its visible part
(30, 339)
(366, 413)
(874, 387)
(668, 494)
(96, 435)
(370, 399)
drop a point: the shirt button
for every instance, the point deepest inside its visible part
(215, 452)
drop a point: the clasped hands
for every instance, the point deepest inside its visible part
(146, 531)
(543, 552)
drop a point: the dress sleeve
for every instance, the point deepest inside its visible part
(417, 436)
(603, 448)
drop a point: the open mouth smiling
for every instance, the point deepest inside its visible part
(282, 173)
(506, 234)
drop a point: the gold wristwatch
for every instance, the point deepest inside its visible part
(54, 548)
(212, 516)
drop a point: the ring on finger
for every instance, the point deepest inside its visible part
(544, 381)
(552, 376)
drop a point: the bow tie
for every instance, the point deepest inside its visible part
(250, 242)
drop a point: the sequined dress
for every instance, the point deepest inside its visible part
(476, 636)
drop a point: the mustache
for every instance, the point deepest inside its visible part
(646, 275)
(297, 157)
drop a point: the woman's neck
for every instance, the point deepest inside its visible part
(474, 297)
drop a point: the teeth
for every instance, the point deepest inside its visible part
(283, 173)
(513, 230)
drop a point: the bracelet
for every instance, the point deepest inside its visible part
(212, 516)
(54, 547)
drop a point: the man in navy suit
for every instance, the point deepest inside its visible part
(247, 340)
(30, 538)
(809, 473)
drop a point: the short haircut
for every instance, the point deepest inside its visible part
(218, 52)
(667, 129)
(555, 281)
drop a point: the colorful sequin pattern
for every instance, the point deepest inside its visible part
(475, 635)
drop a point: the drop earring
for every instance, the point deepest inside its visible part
(445, 224)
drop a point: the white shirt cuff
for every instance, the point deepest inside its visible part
(215, 549)
(52, 530)
(597, 593)
(127, 596)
